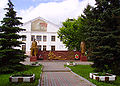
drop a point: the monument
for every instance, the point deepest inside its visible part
(83, 49)
(52, 56)
(34, 51)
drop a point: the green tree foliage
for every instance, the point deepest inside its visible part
(71, 33)
(90, 25)
(9, 56)
(103, 35)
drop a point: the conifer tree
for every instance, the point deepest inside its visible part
(103, 35)
(9, 56)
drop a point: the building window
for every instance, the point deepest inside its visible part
(32, 37)
(52, 38)
(24, 38)
(38, 38)
(44, 47)
(24, 47)
(52, 48)
(44, 38)
(39, 47)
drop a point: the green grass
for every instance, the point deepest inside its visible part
(4, 78)
(84, 70)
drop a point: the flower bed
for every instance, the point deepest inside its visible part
(71, 63)
(22, 78)
(76, 56)
(107, 77)
(35, 64)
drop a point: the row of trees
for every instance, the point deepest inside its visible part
(99, 27)
(9, 56)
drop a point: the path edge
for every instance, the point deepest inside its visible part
(81, 77)
(39, 83)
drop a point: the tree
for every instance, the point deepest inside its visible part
(71, 33)
(103, 35)
(9, 56)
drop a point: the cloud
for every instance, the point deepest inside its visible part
(48, 0)
(3, 4)
(56, 12)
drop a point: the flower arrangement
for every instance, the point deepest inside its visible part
(103, 77)
(22, 77)
(86, 53)
(71, 63)
(76, 56)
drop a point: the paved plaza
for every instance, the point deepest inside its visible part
(55, 74)
(62, 79)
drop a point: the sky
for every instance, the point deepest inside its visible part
(55, 11)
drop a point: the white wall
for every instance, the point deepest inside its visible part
(51, 31)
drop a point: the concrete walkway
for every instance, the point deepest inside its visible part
(55, 74)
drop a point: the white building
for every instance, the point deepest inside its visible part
(45, 34)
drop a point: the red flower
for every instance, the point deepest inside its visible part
(76, 56)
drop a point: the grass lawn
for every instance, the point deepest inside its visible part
(84, 70)
(4, 78)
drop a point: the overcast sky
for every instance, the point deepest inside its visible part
(55, 11)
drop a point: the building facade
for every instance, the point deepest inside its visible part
(45, 34)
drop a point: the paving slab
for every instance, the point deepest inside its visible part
(55, 67)
(62, 79)
(55, 74)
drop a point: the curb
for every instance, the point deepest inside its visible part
(82, 78)
(69, 69)
(39, 83)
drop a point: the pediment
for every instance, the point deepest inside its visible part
(38, 25)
